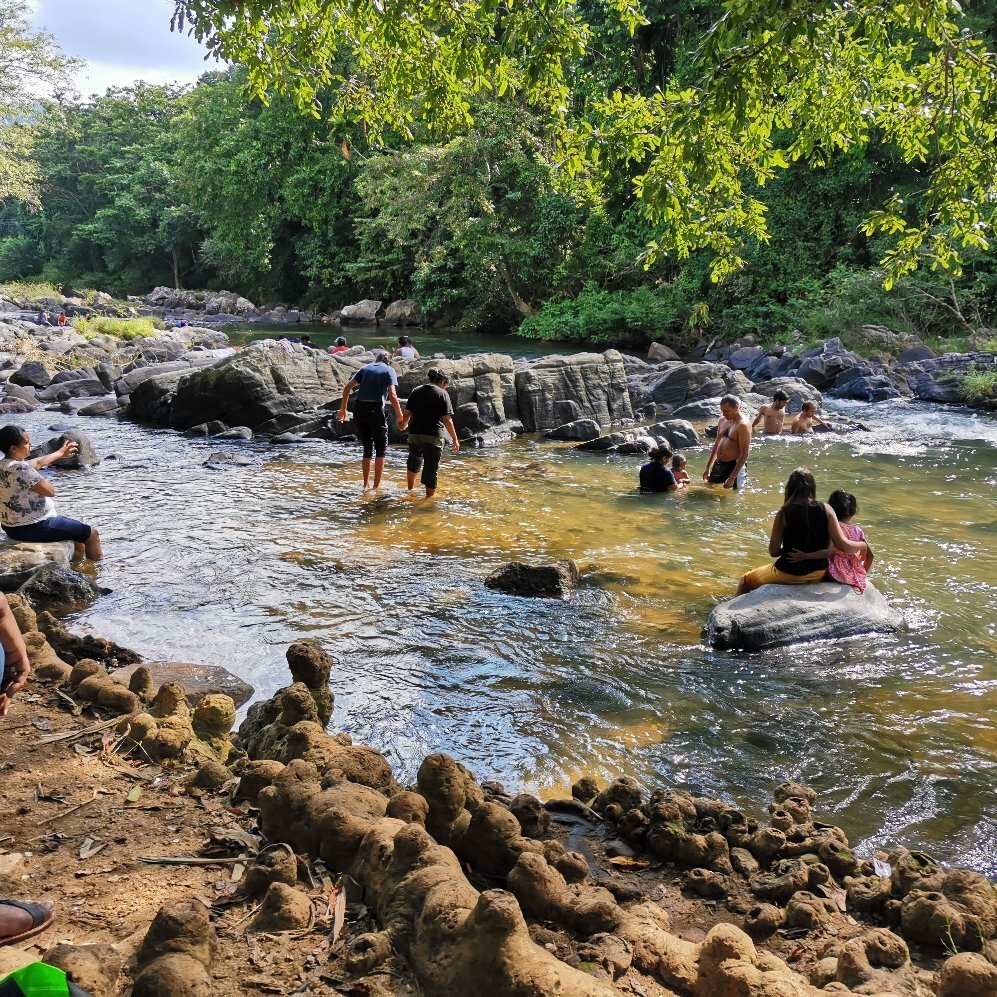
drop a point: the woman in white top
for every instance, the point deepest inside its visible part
(406, 351)
(27, 512)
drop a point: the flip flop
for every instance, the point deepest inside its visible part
(41, 918)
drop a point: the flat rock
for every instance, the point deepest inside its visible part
(197, 680)
(554, 579)
(580, 429)
(777, 615)
(104, 407)
(55, 587)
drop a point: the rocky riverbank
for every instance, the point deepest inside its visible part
(292, 861)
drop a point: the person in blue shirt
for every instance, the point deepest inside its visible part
(375, 384)
(655, 476)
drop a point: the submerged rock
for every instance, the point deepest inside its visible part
(555, 579)
(776, 615)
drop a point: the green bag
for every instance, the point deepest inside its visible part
(37, 979)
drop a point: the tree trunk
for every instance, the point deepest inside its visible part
(523, 307)
(176, 270)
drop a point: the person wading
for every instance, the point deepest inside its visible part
(429, 419)
(376, 383)
(730, 449)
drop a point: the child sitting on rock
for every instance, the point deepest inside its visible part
(849, 569)
(679, 472)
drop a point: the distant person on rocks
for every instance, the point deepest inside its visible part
(406, 351)
(428, 417)
(802, 533)
(306, 342)
(655, 475)
(27, 512)
(730, 449)
(340, 345)
(376, 383)
(774, 414)
(61, 320)
(807, 419)
(679, 472)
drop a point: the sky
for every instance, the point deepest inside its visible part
(122, 41)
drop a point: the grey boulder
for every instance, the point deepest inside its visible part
(555, 579)
(579, 430)
(777, 615)
(85, 455)
(55, 587)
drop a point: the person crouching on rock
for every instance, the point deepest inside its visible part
(655, 475)
(802, 532)
(27, 512)
(377, 383)
(428, 416)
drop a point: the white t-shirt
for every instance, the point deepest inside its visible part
(406, 352)
(19, 505)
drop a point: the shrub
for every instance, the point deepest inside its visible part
(598, 316)
(25, 291)
(979, 385)
(120, 328)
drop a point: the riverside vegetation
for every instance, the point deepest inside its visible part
(491, 224)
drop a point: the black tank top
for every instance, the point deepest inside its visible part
(804, 528)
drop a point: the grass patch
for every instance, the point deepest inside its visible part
(22, 290)
(121, 328)
(979, 385)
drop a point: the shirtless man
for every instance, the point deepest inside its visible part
(807, 419)
(730, 449)
(774, 414)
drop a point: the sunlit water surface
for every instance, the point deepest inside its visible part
(897, 733)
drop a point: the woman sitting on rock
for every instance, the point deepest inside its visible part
(27, 512)
(802, 526)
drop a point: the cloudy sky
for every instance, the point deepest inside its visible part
(121, 41)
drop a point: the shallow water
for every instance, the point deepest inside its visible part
(229, 566)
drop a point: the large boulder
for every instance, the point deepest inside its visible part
(255, 386)
(406, 311)
(197, 680)
(33, 374)
(362, 313)
(85, 455)
(677, 432)
(579, 430)
(152, 400)
(55, 587)
(560, 389)
(776, 615)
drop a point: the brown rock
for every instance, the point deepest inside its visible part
(284, 909)
(198, 681)
(94, 968)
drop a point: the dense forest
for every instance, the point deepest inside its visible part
(204, 186)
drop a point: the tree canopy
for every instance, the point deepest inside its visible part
(770, 82)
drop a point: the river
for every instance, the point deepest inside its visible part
(228, 566)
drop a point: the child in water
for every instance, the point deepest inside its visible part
(678, 470)
(849, 569)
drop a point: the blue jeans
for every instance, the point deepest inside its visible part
(51, 530)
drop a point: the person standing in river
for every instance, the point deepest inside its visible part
(376, 384)
(774, 414)
(730, 449)
(429, 418)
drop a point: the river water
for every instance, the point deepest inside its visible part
(229, 565)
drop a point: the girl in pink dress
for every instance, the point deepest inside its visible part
(849, 569)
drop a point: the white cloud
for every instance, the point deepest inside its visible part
(121, 41)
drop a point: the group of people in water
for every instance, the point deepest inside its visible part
(811, 541)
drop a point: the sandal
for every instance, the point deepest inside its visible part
(41, 918)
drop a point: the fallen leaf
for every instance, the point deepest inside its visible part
(41, 723)
(339, 911)
(624, 862)
(134, 794)
(91, 846)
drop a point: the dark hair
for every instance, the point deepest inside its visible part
(306, 338)
(437, 376)
(843, 503)
(731, 400)
(658, 452)
(404, 340)
(808, 407)
(800, 485)
(678, 460)
(10, 436)
(780, 396)
(340, 340)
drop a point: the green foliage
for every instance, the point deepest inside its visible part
(28, 291)
(598, 316)
(126, 329)
(30, 62)
(979, 385)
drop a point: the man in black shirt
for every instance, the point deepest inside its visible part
(428, 417)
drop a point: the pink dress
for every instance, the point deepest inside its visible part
(848, 569)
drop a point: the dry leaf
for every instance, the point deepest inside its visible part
(339, 911)
(134, 795)
(628, 863)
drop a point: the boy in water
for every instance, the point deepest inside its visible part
(807, 419)
(774, 414)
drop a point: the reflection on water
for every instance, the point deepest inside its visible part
(229, 566)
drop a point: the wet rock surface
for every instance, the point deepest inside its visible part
(777, 615)
(554, 580)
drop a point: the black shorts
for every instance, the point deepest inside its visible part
(721, 471)
(427, 456)
(372, 428)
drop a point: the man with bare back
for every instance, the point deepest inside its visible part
(774, 414)
(730, 449)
